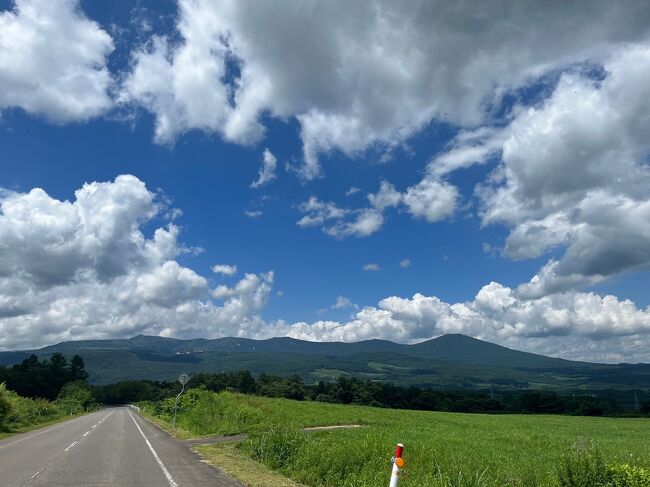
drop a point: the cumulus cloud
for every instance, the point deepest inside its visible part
(225, 269)
(386, 197)
(231, 61)
(372, 267)
(405, 263)
(575, 325)
(571, 175)
(53, 61)
(431, 199)
(85, 268)
(267, 171)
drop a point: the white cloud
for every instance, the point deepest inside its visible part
(225, 269)
(85, 269)
(340, 222)
(405, 263)
(573, 175)
(372, 267)
(318, 212)
(252, 288)
(361, 74)
(469, 147)
(367, 222)
(253, 213)
(267, 171)
(577, 326)
(386, 197)
(341, 303)
(352, 190)
(53, 61)
(182, 84)
(431, 199)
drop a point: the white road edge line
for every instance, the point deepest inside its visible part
(86, 433)
(170, 479)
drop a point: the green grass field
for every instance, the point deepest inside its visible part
(441, 449)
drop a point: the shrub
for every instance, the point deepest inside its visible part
(5, 406)
(584, 466)
(76, 397)
(628, 476)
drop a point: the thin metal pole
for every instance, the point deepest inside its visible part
(176, 406)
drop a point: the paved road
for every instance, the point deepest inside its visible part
(112, 447)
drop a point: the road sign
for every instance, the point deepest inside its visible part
(183, 378)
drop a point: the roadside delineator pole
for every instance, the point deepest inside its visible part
(398, 463)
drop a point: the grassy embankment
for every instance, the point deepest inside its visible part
(442, 449)
(21, 414)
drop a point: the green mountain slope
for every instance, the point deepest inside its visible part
(449, 361)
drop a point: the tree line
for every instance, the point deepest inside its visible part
(55, 378)
(45, 378)
(346, 390)
(36, 391)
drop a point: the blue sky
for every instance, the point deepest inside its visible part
(546, 171)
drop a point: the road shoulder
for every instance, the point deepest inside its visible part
(237, 465)
(37, 426)
(185, 464)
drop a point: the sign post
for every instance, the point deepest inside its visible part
(398, 463)
(183, 379)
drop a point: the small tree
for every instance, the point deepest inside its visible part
(76, 396)
(5, 406)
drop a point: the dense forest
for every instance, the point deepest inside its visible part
(43, 379)
(363, 392)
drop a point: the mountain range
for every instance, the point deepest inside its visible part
(449, 361)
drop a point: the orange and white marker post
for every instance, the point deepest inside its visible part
(398, 463)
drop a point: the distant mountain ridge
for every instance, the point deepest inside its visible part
(452, 360)
(454, 347)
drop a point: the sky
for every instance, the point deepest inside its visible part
(327, 170)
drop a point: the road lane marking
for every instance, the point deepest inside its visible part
(71, 445)
(37, 474)
(94, 426)
(39, 433)
(84, 435)
(170, 479)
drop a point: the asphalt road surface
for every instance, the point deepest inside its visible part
(112, 447)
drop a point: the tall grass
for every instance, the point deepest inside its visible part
(442, 449)
(21, 412)
(584, 466)
(327, 459)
